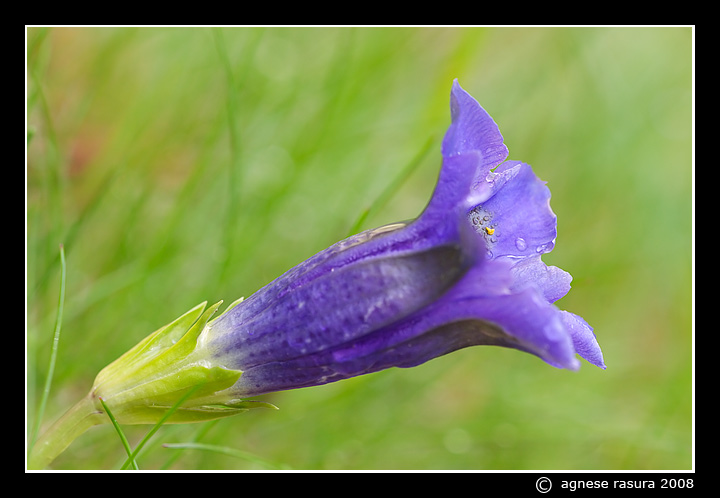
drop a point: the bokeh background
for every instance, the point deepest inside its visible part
(179, 165)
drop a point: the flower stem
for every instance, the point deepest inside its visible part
(75, 422)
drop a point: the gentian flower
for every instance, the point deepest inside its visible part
(467, 271)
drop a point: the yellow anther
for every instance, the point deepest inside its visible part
(489, 230)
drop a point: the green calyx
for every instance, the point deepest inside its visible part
(166, 368)
(169, 377)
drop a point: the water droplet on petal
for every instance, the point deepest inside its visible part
(520, 244)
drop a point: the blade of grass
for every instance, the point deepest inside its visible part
(158, 425)
(244, 455)
(53, 350)
(392, 188)
(124, 440)
(204, 429)
(234, 169)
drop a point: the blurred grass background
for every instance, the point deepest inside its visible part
(179, 165)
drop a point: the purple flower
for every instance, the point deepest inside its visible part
(467, 271)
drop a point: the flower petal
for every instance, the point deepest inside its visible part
(521, 321)
(339, 306)
(551, 281)
(584, 339)
(532, 322)
(472, 130)
(472, 146)
(518, 219)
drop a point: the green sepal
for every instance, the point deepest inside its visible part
(188, 414)
(165, 367)
(152, 345)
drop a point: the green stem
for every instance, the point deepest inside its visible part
(75, 422)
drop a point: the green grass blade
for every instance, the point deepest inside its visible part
(53, 351)
(234, 169)
(204, 429)
(157, 426)
(244, 455)
(392, 188)
(124, 440)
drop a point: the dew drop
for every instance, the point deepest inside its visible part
(544, 248)
(520, 244)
